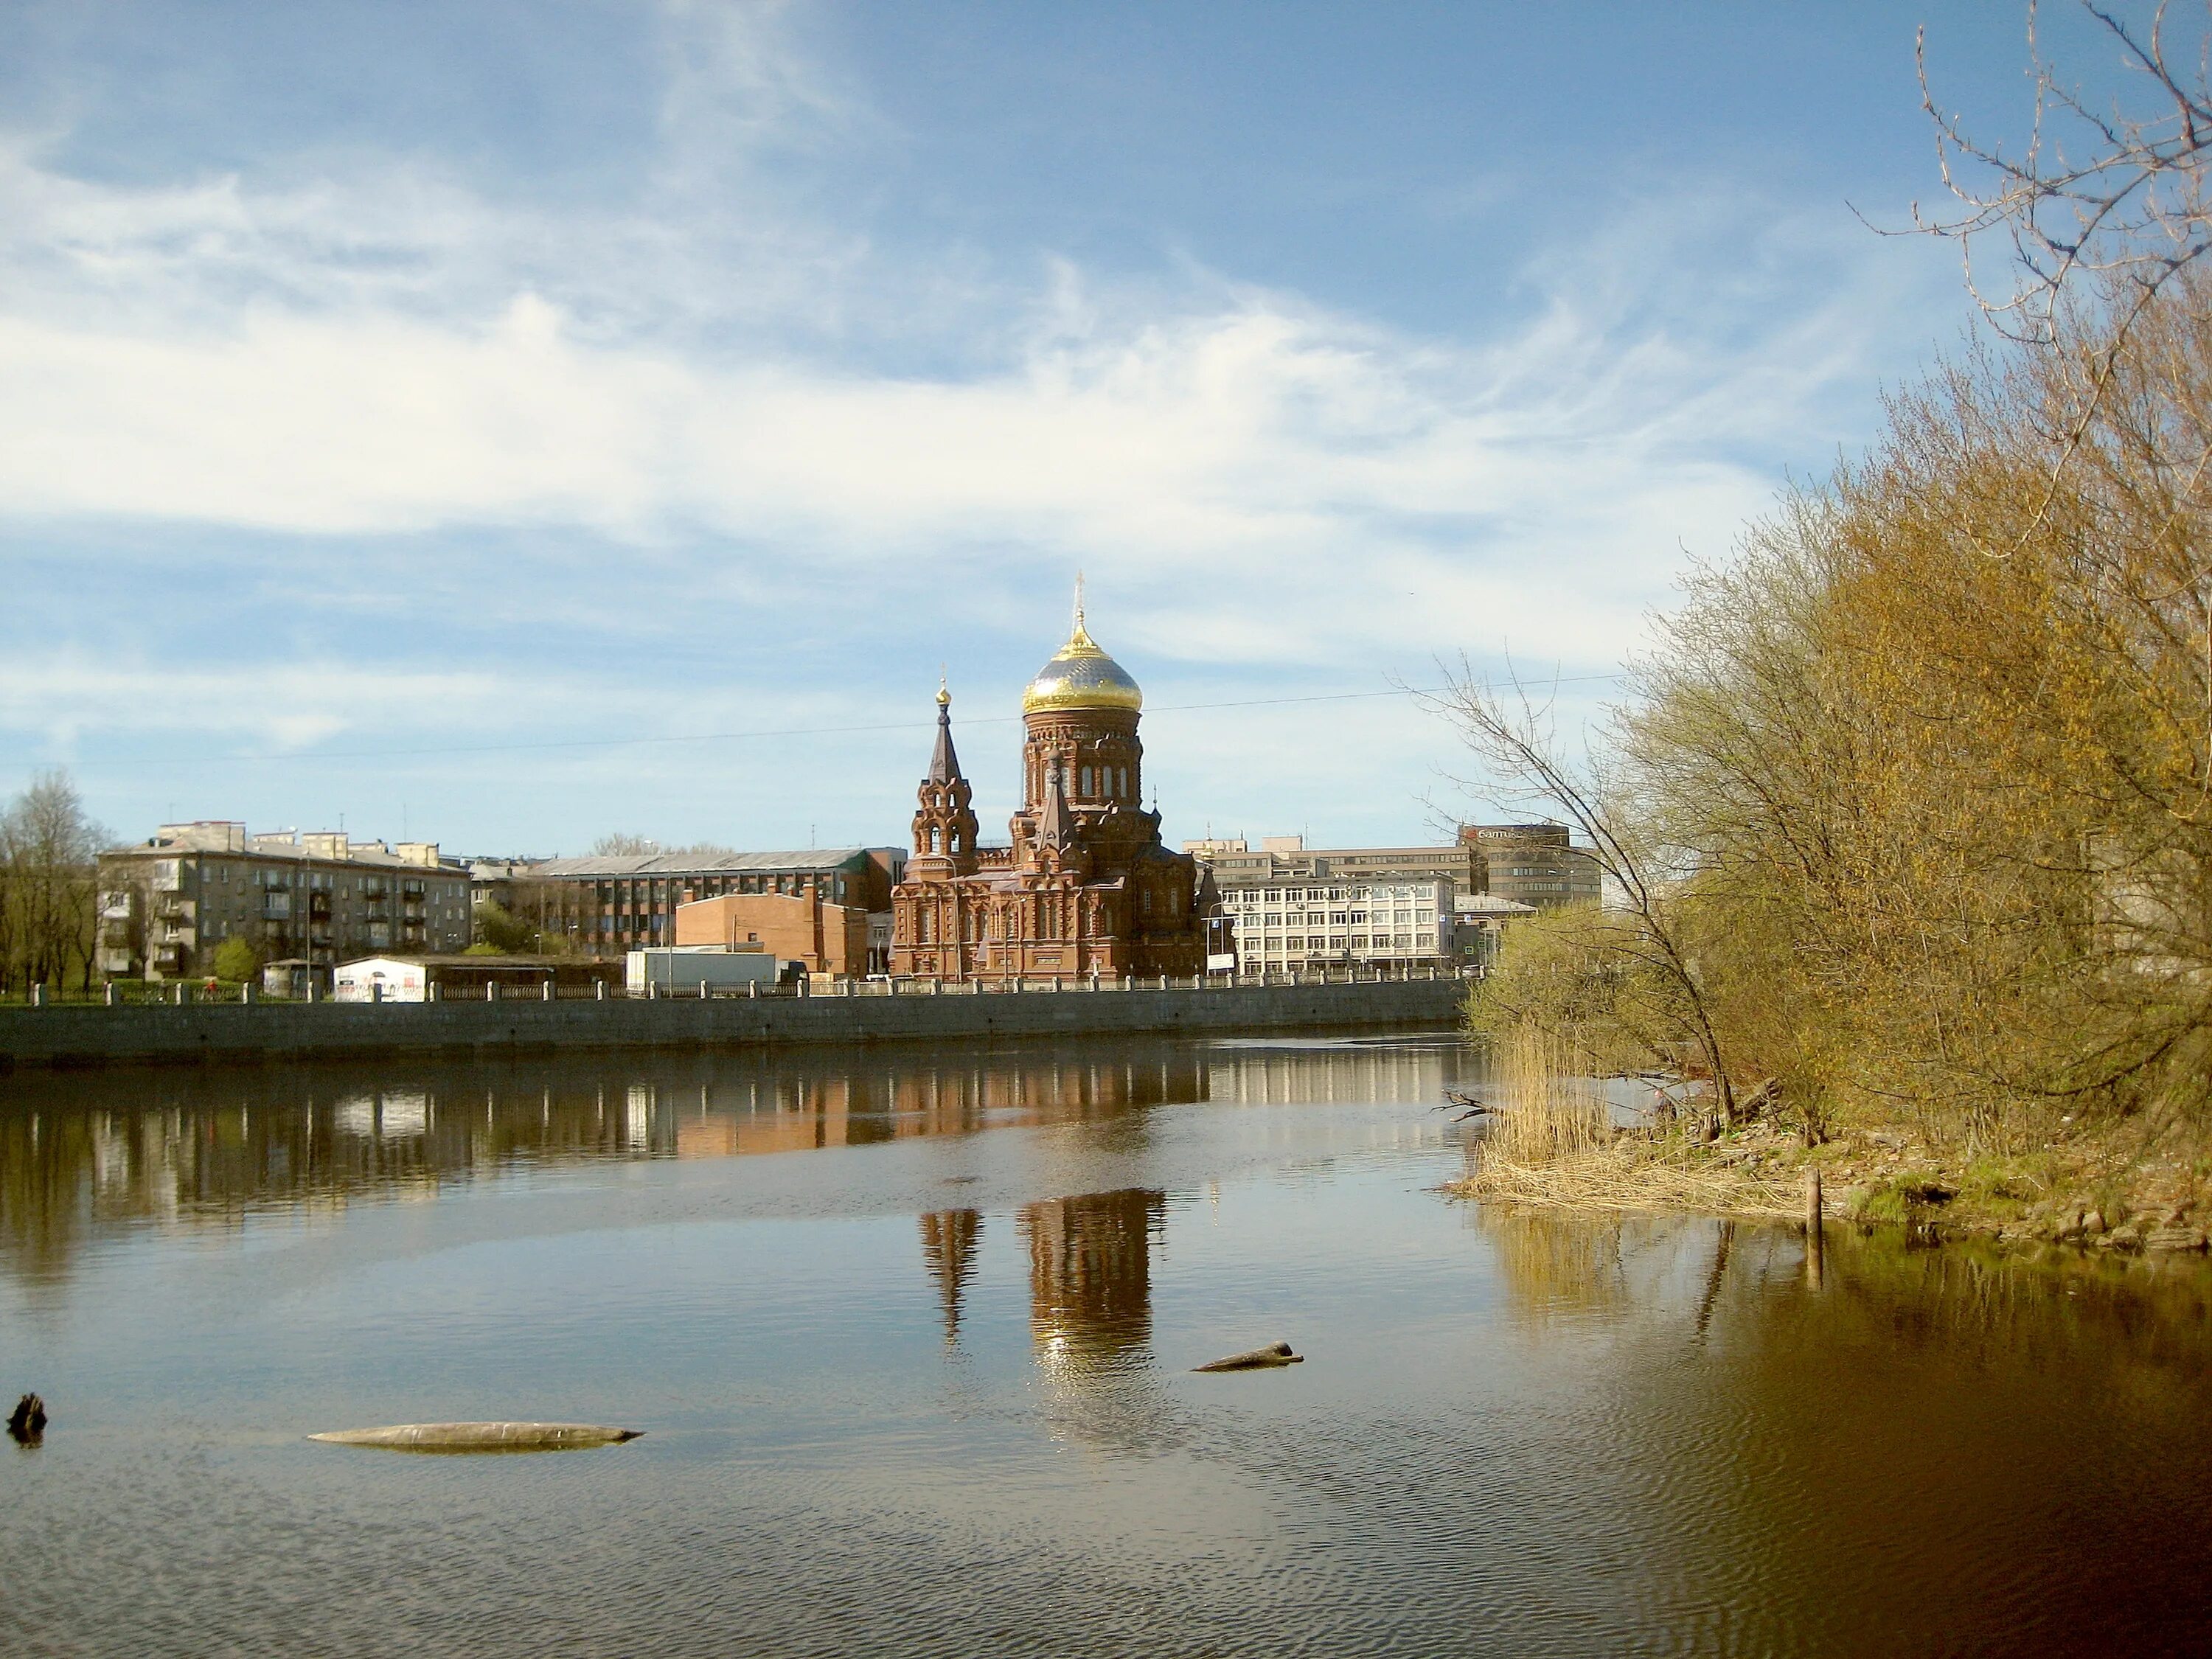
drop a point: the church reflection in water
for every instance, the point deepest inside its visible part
(87, 1155)
(948, 1242)
(1091, 1278)
(1089, 1273)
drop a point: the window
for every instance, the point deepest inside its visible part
(1086, 782)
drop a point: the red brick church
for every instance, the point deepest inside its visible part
(1086, 887)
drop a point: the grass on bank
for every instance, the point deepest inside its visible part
(1552, 1142)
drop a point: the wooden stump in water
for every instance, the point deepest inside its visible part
(28, 1422)
(1813, 1242)
(1275, 1353)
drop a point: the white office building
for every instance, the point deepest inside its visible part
(1305, 922)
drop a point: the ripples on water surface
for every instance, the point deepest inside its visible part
(915, 1378)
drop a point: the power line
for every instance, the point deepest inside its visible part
(541, 746)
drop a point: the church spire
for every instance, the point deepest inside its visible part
(1057, 827)
(943, 764)
(945, 817)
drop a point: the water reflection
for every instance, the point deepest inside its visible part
(1691, 1272)
(950, 1239)
(87, 1155)
(1090, 1279)
(1517, 1433)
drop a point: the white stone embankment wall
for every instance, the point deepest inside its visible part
(246, 1032)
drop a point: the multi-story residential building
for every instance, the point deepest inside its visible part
(1289, 922)
(1535, 864)
(607, 905)
(320, 898)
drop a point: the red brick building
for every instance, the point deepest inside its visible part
(803, 928)
(1086, 887)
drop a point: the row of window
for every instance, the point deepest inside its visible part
(1247, 898)
(1297, 944)
(640, 895)
(1339, 918)
(1094, 782)
(263, 878)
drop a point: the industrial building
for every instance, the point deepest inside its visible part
(608, 904)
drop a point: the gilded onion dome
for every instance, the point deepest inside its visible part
(1081, 676)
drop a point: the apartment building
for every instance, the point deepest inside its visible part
(319, 897)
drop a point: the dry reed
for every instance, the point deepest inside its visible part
(1552, 1142)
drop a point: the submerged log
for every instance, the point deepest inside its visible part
(483, 1436)
(1275, 1353)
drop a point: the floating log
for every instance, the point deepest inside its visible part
(1275, 1353)
(483, 1436)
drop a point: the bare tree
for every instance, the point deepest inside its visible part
(1513, 735)
(49, 852)
(2117, 193)
(2098, 206)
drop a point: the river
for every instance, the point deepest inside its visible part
(910, 1337)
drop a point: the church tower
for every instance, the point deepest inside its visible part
(1079, 720)
(1086, 890)
(944, 819)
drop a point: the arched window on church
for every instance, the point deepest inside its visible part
(933, 838)
(1125, 783)
(1086, 783)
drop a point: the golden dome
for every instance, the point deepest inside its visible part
(1081, 676)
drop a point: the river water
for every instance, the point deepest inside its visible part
(910, 1333)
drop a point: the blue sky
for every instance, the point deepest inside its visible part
(439, 416)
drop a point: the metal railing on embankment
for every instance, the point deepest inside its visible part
(134, 993)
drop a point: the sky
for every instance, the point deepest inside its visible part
(504, 423)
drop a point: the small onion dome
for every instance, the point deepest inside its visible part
(1081, 676)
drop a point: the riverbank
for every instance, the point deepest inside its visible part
(196, 1033)
(2094, 1189)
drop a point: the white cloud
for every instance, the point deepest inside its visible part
(1254, 438)
(290, 705)
(695, 378)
